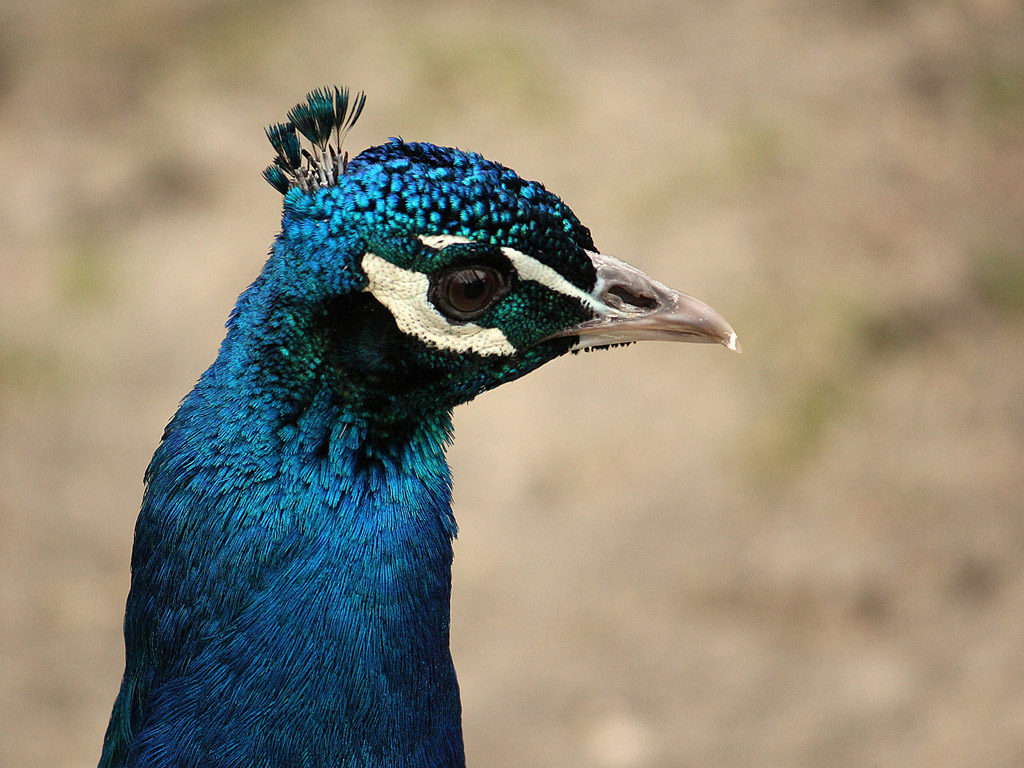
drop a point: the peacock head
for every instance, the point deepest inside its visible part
(437, 274)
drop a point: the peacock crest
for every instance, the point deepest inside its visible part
(327, 113)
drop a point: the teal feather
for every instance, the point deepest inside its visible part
(291, 571)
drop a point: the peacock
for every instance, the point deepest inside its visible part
(291, 567)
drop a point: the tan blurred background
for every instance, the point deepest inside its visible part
(811, 554)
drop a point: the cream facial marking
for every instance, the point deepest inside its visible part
(440, 242)
(404, 293)
(530, 268)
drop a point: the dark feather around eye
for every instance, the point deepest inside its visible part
(466, 292)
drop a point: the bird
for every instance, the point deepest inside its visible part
(291, 565)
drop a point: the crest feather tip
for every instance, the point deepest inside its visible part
(326, 112)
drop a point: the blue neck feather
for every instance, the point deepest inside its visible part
(291, 573)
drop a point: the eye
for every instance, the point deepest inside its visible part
(466, 293)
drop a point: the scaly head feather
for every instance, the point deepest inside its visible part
(425, 275)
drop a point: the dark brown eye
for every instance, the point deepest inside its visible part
(468, 292)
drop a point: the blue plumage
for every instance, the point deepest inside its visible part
(291, 572)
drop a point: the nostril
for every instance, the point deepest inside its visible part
(631, 299)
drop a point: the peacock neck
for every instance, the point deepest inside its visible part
(303, 566)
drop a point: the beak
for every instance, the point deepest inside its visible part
(630, 306)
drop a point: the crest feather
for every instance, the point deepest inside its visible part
(326, 112)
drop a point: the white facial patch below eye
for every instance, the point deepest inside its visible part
(404, 293)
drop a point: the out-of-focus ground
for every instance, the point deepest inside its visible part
(811, 554)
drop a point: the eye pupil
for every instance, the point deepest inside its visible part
(466, 293)
(470, 289)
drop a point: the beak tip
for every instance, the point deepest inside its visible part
(733, 343)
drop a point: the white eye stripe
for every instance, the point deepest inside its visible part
(404, 293)
(528, 268)
(440, 242)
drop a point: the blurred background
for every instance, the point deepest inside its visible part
(809, 554)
